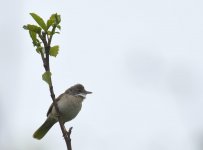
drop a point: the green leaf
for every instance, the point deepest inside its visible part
(47, 77)
(36, 43)
(39, 20)
(39, 49)
(59, 27)
(33, 28)
(51, 21)
(55, 19)
(58, 18)
(52, 17)
(54, 51)
(49, 33)
(33, 35)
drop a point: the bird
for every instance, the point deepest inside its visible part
(69, 104)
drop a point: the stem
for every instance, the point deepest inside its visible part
(47, 46)
(52, 33)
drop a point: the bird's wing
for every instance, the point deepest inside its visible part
(50, 108)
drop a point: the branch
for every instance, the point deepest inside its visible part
(47, 46)
(45, 36)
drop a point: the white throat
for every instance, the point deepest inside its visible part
(81, 94)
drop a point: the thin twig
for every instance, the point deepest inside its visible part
(47, 46)
(69, 139)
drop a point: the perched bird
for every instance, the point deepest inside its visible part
(69, 104)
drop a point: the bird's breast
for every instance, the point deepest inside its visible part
(69, 107)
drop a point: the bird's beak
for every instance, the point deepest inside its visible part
(88, 92)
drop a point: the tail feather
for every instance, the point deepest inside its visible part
(44, 128)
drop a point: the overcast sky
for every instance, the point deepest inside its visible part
(143, 61)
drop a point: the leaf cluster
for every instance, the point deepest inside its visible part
(44, 30)
(41, 36)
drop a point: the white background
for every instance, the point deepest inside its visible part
(142, 60)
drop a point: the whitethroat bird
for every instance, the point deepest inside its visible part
(69, 104)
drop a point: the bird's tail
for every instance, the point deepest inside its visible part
(44, 128)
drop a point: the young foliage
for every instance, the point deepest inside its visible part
(39, 20)
(41, 36)
(47, 77)
(54, 51)
(32, 28)
(33, 36)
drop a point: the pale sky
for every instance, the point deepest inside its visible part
(142, 60)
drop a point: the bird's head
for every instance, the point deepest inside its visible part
(78, 90)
